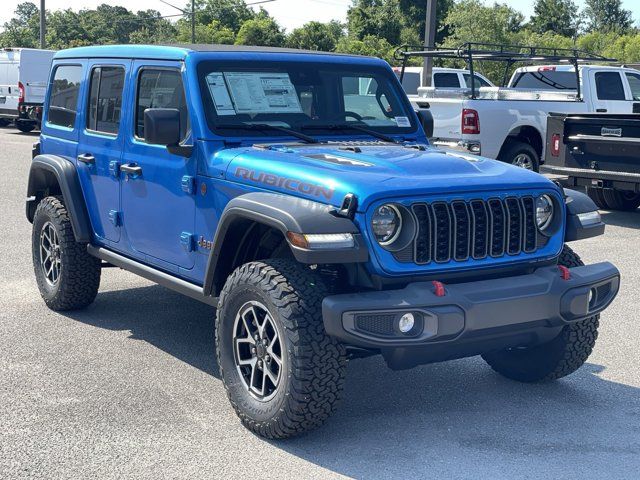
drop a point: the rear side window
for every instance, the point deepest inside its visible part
(446, 80)
(479, 81)
(410, 82)
(105, 99)
(609, 86)
(634, 84)
(63, 101)
(546, 80)
(160, 89)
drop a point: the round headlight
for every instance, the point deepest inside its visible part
(386, 224)
(544, 211)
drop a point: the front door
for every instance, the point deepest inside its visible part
(100, 147)
(158, 203)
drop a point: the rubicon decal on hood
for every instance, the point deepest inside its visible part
(291, 184)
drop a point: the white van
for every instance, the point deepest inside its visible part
(23, 83)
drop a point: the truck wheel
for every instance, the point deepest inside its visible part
(67, 276)
(282, 373)
(4, 122)
(614, 199)
(521, 155)
(555, 359)
(25, 127)
(597, 195)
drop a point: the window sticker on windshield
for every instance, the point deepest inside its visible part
(262, 92)
(220, 94)
(403, 122)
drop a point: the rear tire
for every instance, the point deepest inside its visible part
(283, 374)
(520, 154)
(67, 276)
(610, 199)
(25, 127)
(4, 122)
(555, 359)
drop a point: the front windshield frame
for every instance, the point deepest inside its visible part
(391, 87)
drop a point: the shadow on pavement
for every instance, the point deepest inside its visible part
(458, 419)
(621, 219)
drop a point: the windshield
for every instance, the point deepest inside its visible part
(317, 98)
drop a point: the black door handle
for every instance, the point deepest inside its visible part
(131, 169)
(87, 158)
(601, 110)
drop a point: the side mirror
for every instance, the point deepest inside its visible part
(426, 120)
(162, 126)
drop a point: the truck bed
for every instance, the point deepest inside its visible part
(601, 150)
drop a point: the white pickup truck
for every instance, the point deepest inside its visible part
(510, 123)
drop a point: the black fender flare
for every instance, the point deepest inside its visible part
(285, 214)
(577, 203)
(46, 169)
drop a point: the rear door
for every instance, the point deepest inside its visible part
(633, 83)
(100, 146)
(609, 94)
(34, 70)
(158, 202)
(9, 91)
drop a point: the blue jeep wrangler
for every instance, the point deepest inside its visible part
(297, 193)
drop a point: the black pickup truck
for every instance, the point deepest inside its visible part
(600, 152)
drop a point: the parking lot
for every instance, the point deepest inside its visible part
(130, 387)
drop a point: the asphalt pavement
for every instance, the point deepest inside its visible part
(129, 388)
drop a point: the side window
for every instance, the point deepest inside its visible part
(160, 89)
(446, 80)
(63, 101)
(479, 81)
(105, 99)
(411, 82)
(609, 86)
(634, 85)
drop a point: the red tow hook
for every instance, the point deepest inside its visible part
(565, 274)
(439, 288)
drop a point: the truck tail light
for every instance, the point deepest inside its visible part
(470, 122)
(21, 89)
(555, 145)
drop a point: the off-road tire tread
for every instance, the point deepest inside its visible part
(575, 343)
(512, 146)
(317, 361)
(80, 274)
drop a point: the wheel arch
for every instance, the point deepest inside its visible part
(526, 134)
(254, 225)
(53, 175)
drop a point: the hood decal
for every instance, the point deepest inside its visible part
(326, 157)
(292, 184)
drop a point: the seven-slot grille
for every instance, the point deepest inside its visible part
(476, 229)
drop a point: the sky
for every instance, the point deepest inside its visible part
(289, 13)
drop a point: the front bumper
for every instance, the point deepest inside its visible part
(470, 318)
(459, 146)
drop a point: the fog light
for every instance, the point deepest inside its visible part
(406, 323)
(592, 297)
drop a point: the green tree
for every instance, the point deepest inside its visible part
(23, 30)
(607, 16)
(229, 14)
(413, 17)
(212, 33)
(316, 36)
(381, 18)
(152, 28)
(370, 45)
(558, 16)
(262, 30)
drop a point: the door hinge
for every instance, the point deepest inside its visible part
(188, 184)
(186, 240)
(115, 218)
(114, 168)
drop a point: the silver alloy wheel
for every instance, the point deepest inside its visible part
(257, 350)
(523, 160)
(50, 254)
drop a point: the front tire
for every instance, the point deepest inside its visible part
(282, 373)
(614, 199)
(555, 359)
(25, 127)
(67, 276)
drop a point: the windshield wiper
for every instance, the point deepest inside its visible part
(266, 126)
(350, 126)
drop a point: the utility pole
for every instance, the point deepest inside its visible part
(429, 42)
(43, 26)
(193, 21)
